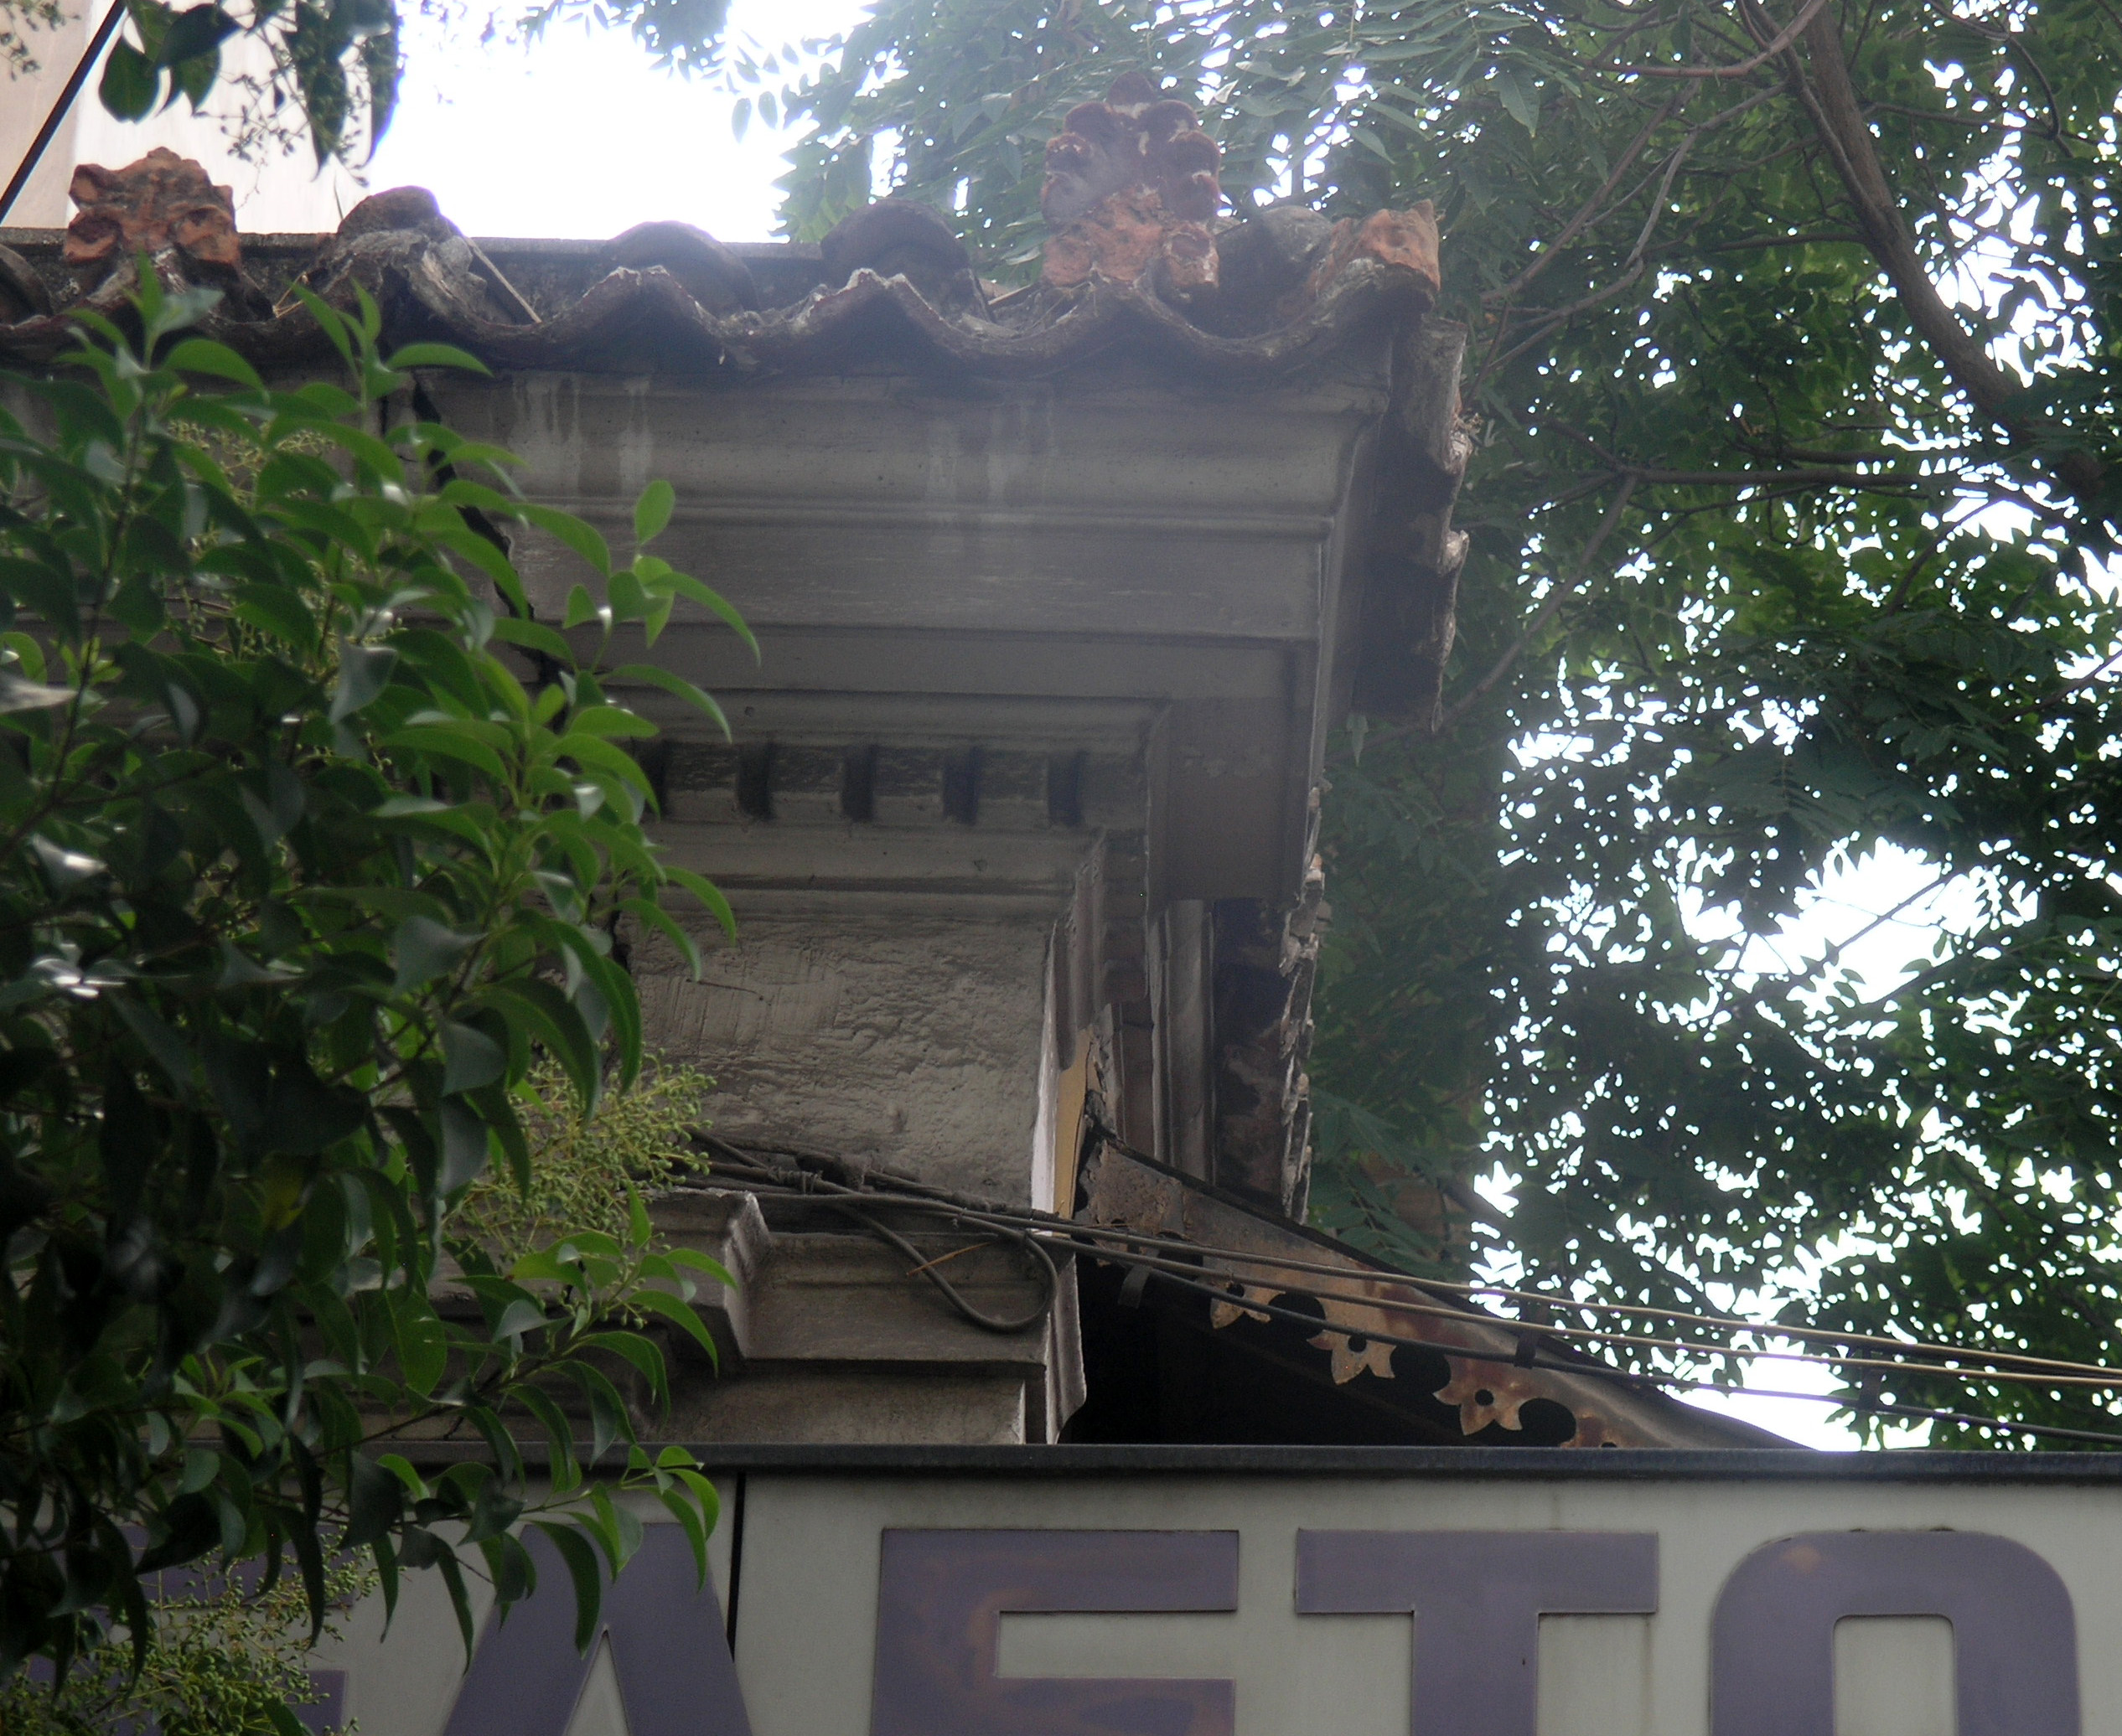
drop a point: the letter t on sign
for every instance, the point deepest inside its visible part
(1477, 1598)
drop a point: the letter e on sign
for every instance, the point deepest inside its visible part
(941, 1597)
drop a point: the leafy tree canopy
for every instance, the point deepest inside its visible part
(299, 874)
(1794, 380)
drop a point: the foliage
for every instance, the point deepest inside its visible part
(582, 1164)
(328, 69)
(20, 23)
(1793, 376)
(297, 876)
(224, 1660)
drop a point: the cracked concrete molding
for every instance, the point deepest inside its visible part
(829, 1336)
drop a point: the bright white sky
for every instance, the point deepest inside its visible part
(580, 136)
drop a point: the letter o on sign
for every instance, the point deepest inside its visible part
(2015, 1634)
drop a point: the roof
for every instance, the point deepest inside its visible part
(1140, 263)
(1138, 253)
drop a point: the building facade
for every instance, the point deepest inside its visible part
(1058, 590)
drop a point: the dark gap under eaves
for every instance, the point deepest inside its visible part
(1064, 789)
(755, 780)
(961, 786)
(858, 783)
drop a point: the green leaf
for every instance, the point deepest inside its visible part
(688, 1520)
(607, 1418)
(363, 672)
(582, 609)
(655, 917)
(680, 1314)
(458, 739)
(704, 1497)
(612, 721)
(560, 1436)
(471, 1058)
(18, 694)
(707, 1265)
(708, 893)
(533, 636)
(694, 592)
(193, 35)
(466, 1145)
(546, 1015)
(377, 1502)
(460, 1602)
(277, 610)
(676, 685)
(1520, 96)
(130, 83)
(423, 949)
(584, 539)
(581, 1563)
(521, 1317)
(202, 355)
(423, 1344)
(434, 355)
(652, 511)
(640, 1351)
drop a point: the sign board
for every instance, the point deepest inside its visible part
(1347, 1592)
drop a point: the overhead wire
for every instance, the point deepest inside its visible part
(2043, 1372)
(1145, 1252)
(1000, 1325)
(1536, 1329)
(2028, 1368)
(1799, 1334)
(1726, 1322)
(1630, 1377)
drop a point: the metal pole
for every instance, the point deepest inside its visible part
(45, 133)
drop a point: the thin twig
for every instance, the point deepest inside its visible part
(1783, 38)
(1590, 209)
(1544, 614)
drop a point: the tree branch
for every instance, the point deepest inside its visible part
(1783, 39)
(1591, 208)
(1824, 87)
(1543, 615)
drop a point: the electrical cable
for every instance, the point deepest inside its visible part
(2108, 1381)
(1814, 1335)
(835, 1196)
(1641, 1381)
(926, 1267)
(1138, 1243)
(1029, 1229)
(2019, 1359)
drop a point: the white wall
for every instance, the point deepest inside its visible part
(276, 192)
